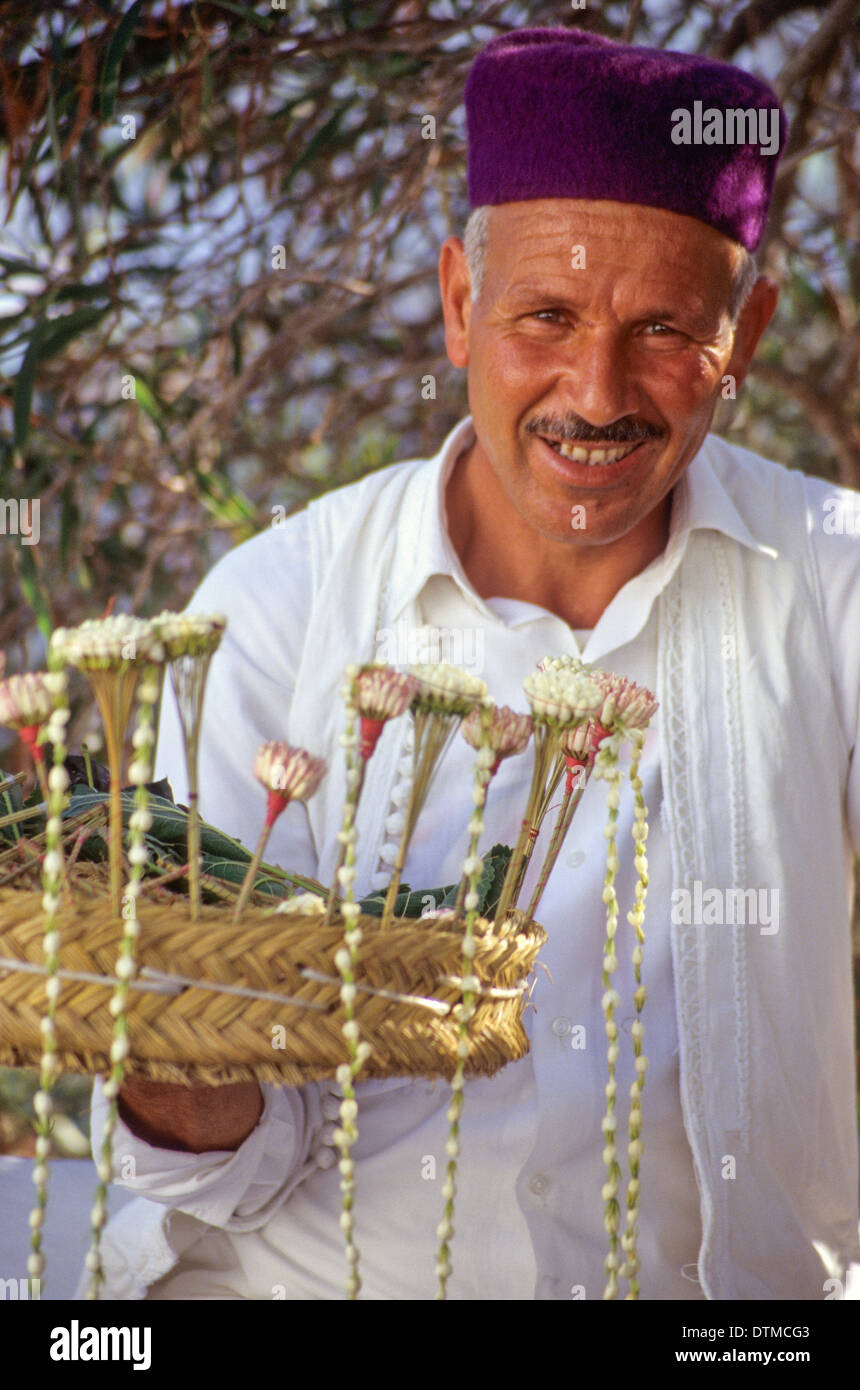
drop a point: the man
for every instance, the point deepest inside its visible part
(607, 300)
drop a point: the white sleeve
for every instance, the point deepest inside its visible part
(235, 1190)
(834, 523)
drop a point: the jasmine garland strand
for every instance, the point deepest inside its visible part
(346, 960)
(52, 882)
(607, 767)
(465, 1010)
(140, 772)
(636, 919)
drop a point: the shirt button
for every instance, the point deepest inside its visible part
(331, 1107)
(561, 1027)
(325, 1158)
(327, 1134)
(539, 1184)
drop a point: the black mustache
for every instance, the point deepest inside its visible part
(577, 431)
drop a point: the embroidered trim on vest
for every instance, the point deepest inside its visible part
(736, 773)
(679, 820)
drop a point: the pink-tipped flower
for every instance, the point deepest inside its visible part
(509, 732)
(289, 774)
(579, 747)
(625, 705)
(25, 705)
(383, 693)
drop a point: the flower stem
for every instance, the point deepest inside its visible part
(570, 801)
(545, 740)
(251, 874)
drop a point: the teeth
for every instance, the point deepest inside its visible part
(599, 457)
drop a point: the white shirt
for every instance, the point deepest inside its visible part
(529, 1210)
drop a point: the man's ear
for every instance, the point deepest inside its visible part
(752, 321)
(455, 289)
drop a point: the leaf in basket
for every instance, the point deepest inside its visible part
(492, 877)
(231, 871)
(76, 767)
(169, 823)
(14, 794)
(407, 904)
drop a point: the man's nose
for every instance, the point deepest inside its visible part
(596, 378)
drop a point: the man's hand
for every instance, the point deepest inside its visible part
(193, 1119)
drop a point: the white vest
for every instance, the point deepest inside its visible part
(754, 765)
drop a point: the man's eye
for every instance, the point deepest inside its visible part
(555, 313)
(662, 327)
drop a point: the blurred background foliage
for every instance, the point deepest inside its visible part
(218, 260)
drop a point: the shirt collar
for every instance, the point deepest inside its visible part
(700, 502)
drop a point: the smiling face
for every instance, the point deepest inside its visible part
(594, 387)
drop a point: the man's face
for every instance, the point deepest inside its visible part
(626, 354)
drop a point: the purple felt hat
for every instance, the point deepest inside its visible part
(561, 113)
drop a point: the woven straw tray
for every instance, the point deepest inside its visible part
(193, 1029)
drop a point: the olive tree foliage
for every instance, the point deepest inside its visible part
(218, 255)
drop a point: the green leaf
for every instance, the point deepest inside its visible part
(12, 797)
(116, 51)
(317, 142)
(61, 331)
(245, 13)
(31, 587)
(69, 519)
(13, 266)
(79, 291)
(230, 872)
(169, 824)
(48, 338)
(225, 501)
(149, 403)
(23, 398)
(490, 885)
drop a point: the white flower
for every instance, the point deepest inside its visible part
(302, 903)
(58, 779)
(103, 644)
(42, 1104)
(52, 864)
(25, 700)
(446, 689)
(565, 696)
(189, 634)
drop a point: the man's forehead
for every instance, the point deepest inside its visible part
(545, 243)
